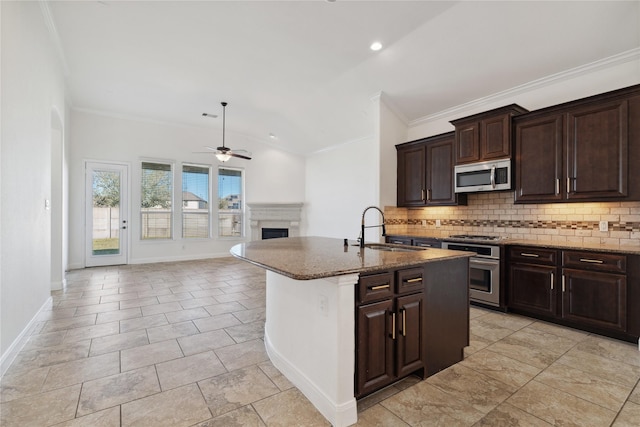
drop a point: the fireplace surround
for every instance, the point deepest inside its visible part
(274, 215)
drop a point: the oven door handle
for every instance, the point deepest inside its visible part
(492, 263)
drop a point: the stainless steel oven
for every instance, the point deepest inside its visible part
(484, 269)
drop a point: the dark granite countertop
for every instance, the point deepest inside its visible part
(305, 258)
(591, 247)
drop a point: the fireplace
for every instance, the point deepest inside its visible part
(274, 233)
(278, 219)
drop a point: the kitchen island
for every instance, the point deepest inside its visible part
(312, 298)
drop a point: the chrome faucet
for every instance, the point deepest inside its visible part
(384, 233)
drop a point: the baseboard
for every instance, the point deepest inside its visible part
(179, 258)
(153, 260)
(18, 344)
(339, 415)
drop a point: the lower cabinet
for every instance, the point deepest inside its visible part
(411, 320)
(586, 290)
(390, 325)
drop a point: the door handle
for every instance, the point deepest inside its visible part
(393, 326)
(529, 255)
(493, 177)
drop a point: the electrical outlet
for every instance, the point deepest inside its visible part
(424, 222)
(438, 223)
(604, 226)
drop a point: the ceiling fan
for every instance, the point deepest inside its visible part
(224, 153)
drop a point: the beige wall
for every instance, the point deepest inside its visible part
(495, 213)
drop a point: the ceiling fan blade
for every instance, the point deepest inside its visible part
(240, 156)
(210, 148)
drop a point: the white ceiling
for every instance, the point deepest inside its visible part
(303, 71)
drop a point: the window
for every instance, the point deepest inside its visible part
(156, 207)
(195, 201)
(230, 202)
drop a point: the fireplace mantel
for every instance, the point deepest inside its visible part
(274, 215)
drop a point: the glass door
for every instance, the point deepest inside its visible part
(106, 214)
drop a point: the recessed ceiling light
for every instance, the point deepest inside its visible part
(272, 136)
(375, 46)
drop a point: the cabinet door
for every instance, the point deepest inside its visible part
(440, 185)
(538, 159)
(468, 143)
(595, 299)
(410, 336)
(495, 138)
(375, 347)
(411, 175)
(532, 288)
(597, 151)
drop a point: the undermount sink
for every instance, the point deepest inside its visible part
(392, 248)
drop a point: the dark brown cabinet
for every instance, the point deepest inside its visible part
(423, 242)
(390, 328)
(425, 172)
(594, 289)
(579, 151)
(532, 276)
(538, 158)
(485, 136)
(587, 290)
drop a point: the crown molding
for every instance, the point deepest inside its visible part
(388, 101)
(53, 34)
(621, 58)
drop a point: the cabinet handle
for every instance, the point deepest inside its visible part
(563, 283)
(424, 195)
(393, 326)
(424, 245)
(428, 194)
(404, 322)
(557, 185)
(377, 288)
(417, 279)
(592, 261)
(551, 281)
(529, 255)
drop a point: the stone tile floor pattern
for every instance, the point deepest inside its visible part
(181, 344)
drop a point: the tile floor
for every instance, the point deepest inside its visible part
(180, 344)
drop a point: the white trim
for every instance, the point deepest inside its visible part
(336, 414)
(153, 260)
(339, 145)
(624, 57)
(55, 37)
(316, 352)
(18, 344)
(391, 105)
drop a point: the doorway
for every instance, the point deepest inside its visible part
(106, 217)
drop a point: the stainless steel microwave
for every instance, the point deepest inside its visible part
(494, 175)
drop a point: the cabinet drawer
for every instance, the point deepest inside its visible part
(410, 280)
(595, 261)
(398, 240)
(375, 287)
(427, 243)
(531, 255)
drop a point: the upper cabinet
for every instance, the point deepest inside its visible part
(580, 151)
(425, 172)
(485, 136)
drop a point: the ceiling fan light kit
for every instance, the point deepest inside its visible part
(224, 153)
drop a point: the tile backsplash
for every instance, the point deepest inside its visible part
(495, 213)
